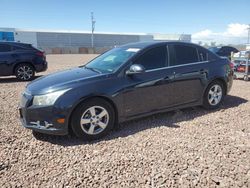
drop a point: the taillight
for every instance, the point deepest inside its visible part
(40, 54)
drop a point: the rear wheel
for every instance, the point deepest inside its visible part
(24, 72)
(93, 119)
(214, 95)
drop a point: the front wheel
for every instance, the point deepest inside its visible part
(24, 72)
(93, 119)
(214, 95)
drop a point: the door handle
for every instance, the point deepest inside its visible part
(203, 71)
(164, 80)
(167, 78)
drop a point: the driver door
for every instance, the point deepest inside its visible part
(144, 92)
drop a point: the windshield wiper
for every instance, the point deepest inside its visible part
(93, 69)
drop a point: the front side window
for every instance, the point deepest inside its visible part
(182, 54)
(4, 48)
(112, 60)
(153, 58)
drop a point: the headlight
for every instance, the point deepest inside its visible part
(47, 99)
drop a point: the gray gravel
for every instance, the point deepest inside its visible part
(187, 148)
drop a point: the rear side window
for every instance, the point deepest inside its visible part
(17, 48)
(205, 55)
(182, 54)
(153, 58)
(5, 48)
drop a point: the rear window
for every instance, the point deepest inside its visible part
(214, 49)
(26, 46)
(17, 48)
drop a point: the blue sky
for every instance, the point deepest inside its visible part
(134, 16)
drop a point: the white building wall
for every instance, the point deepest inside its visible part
(146, 38)
(172, 37)
(26, 37)
(247, 46)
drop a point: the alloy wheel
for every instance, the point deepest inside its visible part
(94, 120)
(24, 72)
(215, 95)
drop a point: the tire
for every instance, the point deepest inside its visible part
(24, 72)
(93, 119)
(214, 95)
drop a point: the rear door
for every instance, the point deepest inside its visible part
(6, 60)
(190, 71)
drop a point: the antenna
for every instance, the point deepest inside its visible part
(93, 29)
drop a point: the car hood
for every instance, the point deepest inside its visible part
(61, 80)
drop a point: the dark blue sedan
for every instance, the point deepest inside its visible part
(127, 82)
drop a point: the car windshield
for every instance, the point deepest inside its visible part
(111, 60)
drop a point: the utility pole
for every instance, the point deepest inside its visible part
(93, 29)
(248, 38)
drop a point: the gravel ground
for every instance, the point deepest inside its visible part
(187, 148)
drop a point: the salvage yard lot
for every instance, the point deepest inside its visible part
(184, 148)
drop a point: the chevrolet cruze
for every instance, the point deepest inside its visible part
(127, 82)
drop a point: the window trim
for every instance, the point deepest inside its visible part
(194, 63)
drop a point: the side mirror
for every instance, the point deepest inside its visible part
(135, 69)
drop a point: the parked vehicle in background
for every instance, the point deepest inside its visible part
(224, 51)
(128, 82)
(22, 60)
(241, 65)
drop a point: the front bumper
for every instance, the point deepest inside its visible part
(41, 119)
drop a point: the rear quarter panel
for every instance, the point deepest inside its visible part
(220, 69)
(24, 56)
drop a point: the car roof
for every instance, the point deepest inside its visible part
(14, 43)
(143, 45)
(227, 47)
